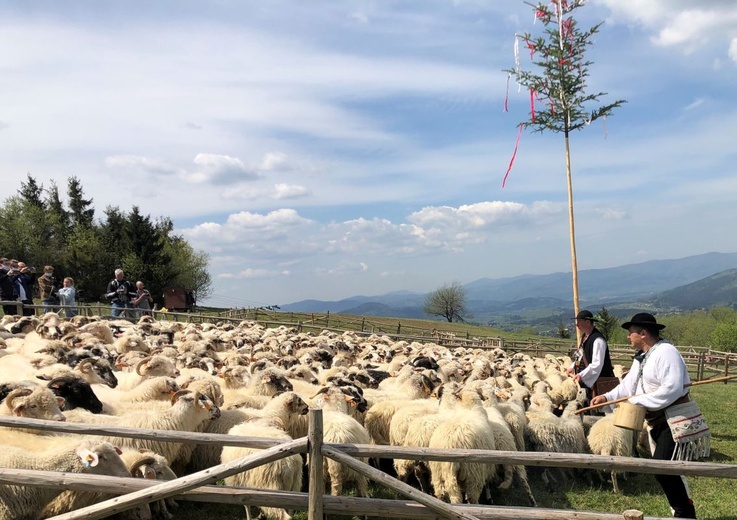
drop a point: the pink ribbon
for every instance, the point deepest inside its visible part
(514, 154)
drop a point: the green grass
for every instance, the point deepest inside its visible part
(715, 498)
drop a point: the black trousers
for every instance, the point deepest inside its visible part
(674, 486)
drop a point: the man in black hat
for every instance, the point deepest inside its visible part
(592, 358)
(656, 381)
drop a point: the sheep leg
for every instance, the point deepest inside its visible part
(362, 486)
(521, 474)
(423, 477)
(614, 482)
(508, 476)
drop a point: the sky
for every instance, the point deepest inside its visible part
(327, 149)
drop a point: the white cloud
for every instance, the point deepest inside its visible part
(262, 274)
(290, 191)
(220, 169)
(733, 50)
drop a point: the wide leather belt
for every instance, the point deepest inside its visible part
(657, 417)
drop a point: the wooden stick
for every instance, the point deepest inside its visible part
(605, 403)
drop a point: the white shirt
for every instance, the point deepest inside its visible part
(591, 373)
(664, 376)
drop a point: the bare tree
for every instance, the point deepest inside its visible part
(449, 301)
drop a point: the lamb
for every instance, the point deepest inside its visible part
(27, 502)
(606, 439)
(285, 473)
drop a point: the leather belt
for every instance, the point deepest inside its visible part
(657, 417)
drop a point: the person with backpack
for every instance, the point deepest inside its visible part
(120, 292)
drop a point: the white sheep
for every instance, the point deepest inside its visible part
(187, 411)
(341, 428)
(286, 408)
(285, 473)
(467, 427)
(27, 502)
(605, 438)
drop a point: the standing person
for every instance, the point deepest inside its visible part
(7, 288)
(120, 292)
(142, 300)
(592, 358)
(48, 290)
(67, 296)
(25, 284)
(656, 382)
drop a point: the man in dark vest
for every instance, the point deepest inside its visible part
(592, 358)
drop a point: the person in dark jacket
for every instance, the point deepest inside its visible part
(120, 292)
(25, 286)
(592, 359)
(7, 289)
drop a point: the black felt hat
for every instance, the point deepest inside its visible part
(643, 319)
(585, 315)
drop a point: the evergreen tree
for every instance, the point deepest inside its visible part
(57, 219)
(82, 212)
(32, 192)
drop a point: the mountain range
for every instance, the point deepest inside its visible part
(544, 301)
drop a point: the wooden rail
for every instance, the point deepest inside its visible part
(137, 493)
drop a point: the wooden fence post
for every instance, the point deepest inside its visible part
(633, 514)
(317, 483)
(726, 365)
(327, 320)
(399, 326)
(363, 324)
(700, 367)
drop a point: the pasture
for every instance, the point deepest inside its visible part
(714, 497)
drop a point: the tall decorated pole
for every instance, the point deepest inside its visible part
(558, 98)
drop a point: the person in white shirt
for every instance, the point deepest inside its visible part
(656, 381)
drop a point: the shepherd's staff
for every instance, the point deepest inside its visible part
(705, 381)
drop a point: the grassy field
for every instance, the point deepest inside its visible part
(715, 498)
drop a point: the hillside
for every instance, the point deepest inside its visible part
(719, 289)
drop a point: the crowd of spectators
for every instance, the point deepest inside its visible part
(19, 283)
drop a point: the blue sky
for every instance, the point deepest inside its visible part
(326, 149)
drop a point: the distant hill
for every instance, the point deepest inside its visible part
(719, 289)
(545, 300)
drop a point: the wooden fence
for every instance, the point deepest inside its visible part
(136, 492)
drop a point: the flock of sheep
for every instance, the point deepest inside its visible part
(247, 380)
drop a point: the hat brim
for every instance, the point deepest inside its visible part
(628, 324)
(590, 319)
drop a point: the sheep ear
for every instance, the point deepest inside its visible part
(60, 401)
(18, 410)
(149, 473)
(43, 377)
(118, 450)
(89, 458)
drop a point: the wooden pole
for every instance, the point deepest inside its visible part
(174, 487)
(633, 514)
(317, 483)
(572, 228)
(440, 507)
